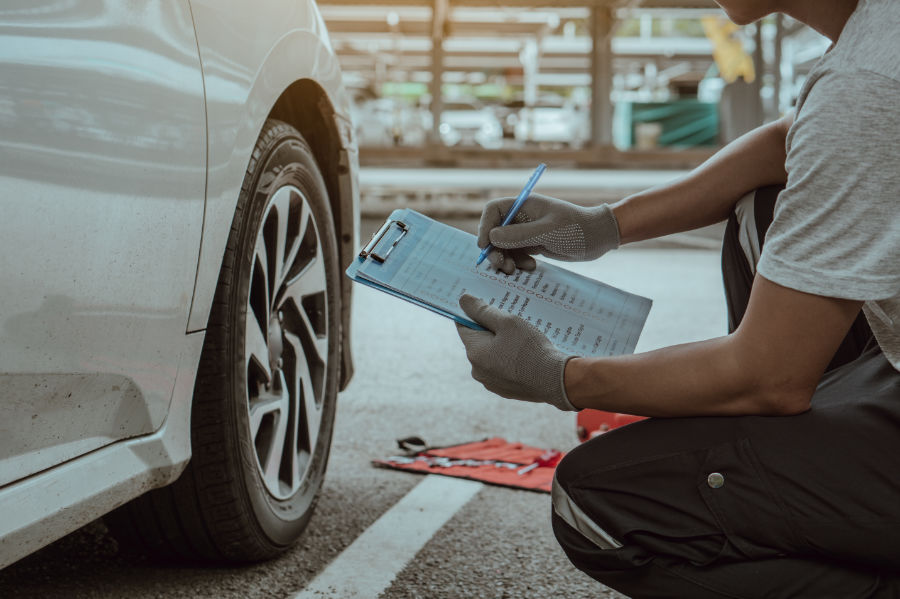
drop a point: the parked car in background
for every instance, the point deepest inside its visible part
(373, 122)
(552, 123)
(508, 114)
(388, 122)
(174, 327)
(467, 123)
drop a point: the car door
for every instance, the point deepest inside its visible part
(102, 182)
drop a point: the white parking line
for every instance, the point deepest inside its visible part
(373, 560)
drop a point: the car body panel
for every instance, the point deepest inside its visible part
(253, 52)
(46, 506)
(245, 74)
(102, 177)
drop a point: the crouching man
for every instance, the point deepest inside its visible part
(771, 464)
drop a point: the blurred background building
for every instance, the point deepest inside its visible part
(606, 87)
(608, 82)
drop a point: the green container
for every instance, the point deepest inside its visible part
(685, 123)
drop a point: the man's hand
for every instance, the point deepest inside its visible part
(512, 358)
(546, 226)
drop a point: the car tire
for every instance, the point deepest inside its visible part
(266, 389)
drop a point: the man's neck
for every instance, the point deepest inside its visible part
(828, 17)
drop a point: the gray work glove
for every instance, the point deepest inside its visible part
(512, 358)
(545, 225)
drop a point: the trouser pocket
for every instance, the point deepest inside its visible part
(743, 501)
(652, 504)
(702, 506)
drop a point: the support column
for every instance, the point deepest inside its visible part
(759, 65)
(438, 19)
(779, 57)
(601, 75)
(528, 57)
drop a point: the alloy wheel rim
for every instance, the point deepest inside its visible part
(286, 342)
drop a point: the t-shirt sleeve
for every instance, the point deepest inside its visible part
(836, 229)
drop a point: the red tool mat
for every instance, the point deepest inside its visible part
(591, 423)
(495, 461)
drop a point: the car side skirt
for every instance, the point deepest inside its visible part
(49, 505)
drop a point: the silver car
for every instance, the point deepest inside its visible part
(178, 194)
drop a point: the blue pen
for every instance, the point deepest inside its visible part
(523, 195)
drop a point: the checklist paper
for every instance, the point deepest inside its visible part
(433, 264)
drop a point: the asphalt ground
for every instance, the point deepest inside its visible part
(412, 378)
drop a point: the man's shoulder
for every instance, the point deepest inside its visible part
(869, 42)
(844, 115)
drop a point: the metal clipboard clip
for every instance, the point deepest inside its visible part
(385, 240)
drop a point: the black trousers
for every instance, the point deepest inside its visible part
(750, 506)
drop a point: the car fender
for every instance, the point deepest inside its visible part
(244, 78)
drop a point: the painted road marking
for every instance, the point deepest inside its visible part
(373, 560)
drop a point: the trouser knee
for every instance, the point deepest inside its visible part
(572, 529)
(587, 523)
(582, 534)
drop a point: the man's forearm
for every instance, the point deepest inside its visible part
(708, 193)
(771, 365)
(696, 379)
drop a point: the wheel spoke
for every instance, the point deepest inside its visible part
(281, 203)
(265, 404)
(256, 347)
(310, 281)
(293, 442)
(310, 410)
(261, 265)
(320, 342)
(276, 448)
(294, 248)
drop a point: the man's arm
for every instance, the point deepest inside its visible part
(708, 194)
(561, 230)
(770, 365)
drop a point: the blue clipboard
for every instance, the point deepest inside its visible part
(379, 249)
(430, 264)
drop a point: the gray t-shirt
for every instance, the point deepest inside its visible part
(836, 230)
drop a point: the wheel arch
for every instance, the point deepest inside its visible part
(287, 70)
(306, 106)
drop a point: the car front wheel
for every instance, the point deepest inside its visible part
(264, 401)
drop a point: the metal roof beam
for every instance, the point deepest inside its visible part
(387, 4)
(424, 28)
(578, 64)
(550, 46)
